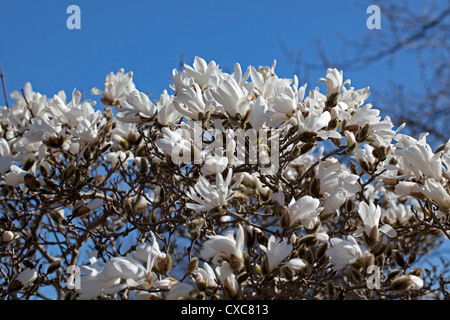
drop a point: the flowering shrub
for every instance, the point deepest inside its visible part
(236, 186)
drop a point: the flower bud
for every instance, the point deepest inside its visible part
(108, 114)
(265, 270)
(82, 208)
(191, 266)
(378, 248)
(241, 278)
(31, 182)
(393, 274)
(398, 257)
(236, 263)
(70, 170)
(285, 221)
(401, 283)
(55, 265)
(364, 164)
(296, 152)
(251, 237)
(164, 263)
(8, 237)
(363, 133)
(57, 215)
(246, 117)
(15, 286)
(306, 147)
(229, 290)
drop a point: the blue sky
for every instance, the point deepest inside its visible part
(148, 37)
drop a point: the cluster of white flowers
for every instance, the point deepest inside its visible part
(387, 173)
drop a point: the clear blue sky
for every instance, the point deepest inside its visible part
(148, 37)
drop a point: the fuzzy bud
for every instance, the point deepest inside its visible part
(31, 182)
(192, 266)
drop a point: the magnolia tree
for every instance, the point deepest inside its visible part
(236, 186)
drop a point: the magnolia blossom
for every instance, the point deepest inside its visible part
(15, 177)
(306, 210)
(233, 98)
(297, 265)
(343, 252)
(435, 191)
(205, 275)
(214, 165)
(228, 279)
(336, 185)
(180, 291)
(173, 143)
(371, 214)
(190, 102)
(119, 273)
(334, 80)
(135, 106)
(116, 86)
(276, 251)
(5, 156)
(226, 246)
(211, 196)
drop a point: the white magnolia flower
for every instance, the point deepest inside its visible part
(314, 122)
(287, 98)
(136, 106)
(336, 184)
(86, 132)
(306, 210)
(371, 214)
(117, 86)
(191, 103)
(265, 81)
(116, 157)
(166, 111)
(117, 274)
(93, 283)
(205, 275)
(201, 73)
(152, 251)
(228, 279)
(232, 97)
(343, 252)
(180, 291)
(173, 143)
(334, 80)
(214, 165)
(5, 156)
(211, 196)
(422, 161)
(73, 112)
(124, 268)
(276, 252)
(15, 177)
(41, 129)
(297, 265)
(435, 191)
(226, 246)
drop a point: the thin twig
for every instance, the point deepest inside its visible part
(4, 88)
